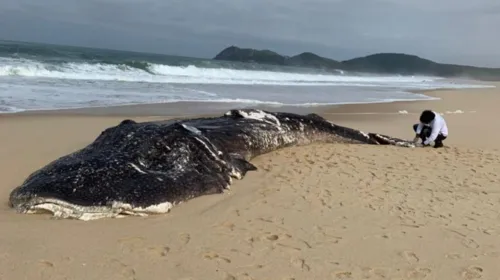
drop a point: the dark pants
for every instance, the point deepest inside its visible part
(426, 132)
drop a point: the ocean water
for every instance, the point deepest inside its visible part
(39, 76)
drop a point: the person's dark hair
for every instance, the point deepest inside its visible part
(427, 116)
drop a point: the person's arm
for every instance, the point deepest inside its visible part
(419, 128)
(438, 124)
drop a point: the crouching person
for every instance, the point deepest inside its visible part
(432, 128)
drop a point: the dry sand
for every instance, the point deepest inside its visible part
(315, 212)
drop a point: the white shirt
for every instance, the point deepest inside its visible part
(438, 125)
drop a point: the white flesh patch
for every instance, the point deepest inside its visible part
(62, 209)
(260, 116)
(398, 143)
(364, 134)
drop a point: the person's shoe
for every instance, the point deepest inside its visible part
(438, 145)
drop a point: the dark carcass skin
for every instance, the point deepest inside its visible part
(145, 168)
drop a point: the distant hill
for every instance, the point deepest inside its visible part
(380, 63)
(305, 59)
(250, 55)
(308, 59)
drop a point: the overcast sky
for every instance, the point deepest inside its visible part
(456, 31)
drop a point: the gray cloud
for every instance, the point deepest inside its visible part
(457, 31)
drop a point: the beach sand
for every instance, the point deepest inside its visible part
(316, 212)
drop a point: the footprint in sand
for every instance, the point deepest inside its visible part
(185, 238)
(419, 273)
(272, 237)
(410, 256)
(472, 272)
(161, 251)
(467, 242)
(342, 275)
(138, 245)
(228, 225)
(301, 264)
(453, 256)
(228, 276)
(125, 270)
(132, 244)
(215, 256)
(369, 272)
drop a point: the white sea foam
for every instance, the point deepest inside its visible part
(195, 75)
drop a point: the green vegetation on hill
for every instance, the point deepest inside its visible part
(305, 59)
(250, 55)
(308, 59)
(381, 63)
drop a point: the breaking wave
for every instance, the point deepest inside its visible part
(137, 71)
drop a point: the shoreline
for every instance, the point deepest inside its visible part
(174, 109)
(203, 108)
